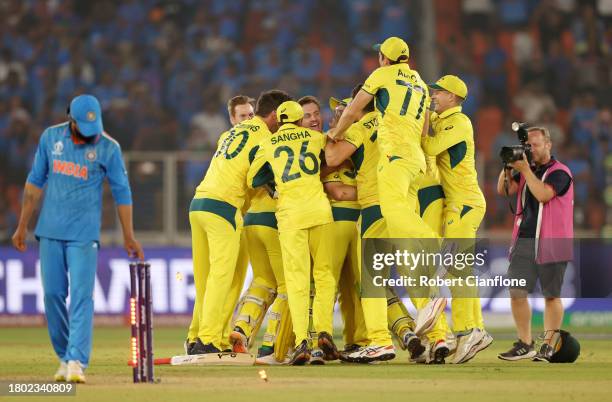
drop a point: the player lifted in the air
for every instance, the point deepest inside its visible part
(401, 98)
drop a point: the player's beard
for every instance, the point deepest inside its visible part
(75, 131)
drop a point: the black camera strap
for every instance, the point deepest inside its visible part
(506, 190)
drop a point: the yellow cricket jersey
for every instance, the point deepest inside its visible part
(261, 201)
(225, 179)
(344, 176)
(402, 99)
(453, 147)
(292, 154)
(363, 135)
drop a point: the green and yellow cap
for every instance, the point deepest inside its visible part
(288, 112)
(335, 102)
(393, 48)
(452, 84)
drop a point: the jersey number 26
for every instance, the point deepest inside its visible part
(304, 155)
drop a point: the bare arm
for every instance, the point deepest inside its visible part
(132, 246)
(426, 124)
(350, 114)
(541, 191)
(31, 199)
(340, 191)
(337, 152)
(512, 185)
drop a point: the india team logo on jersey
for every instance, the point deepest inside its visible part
(90, 155)
(58, 148)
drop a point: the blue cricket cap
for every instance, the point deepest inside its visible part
(85, 110)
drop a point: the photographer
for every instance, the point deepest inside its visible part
(542, 234)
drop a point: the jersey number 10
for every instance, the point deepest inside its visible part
(304, 155)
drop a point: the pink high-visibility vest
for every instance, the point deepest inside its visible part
(555, 227)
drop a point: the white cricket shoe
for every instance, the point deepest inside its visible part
(428, 315)
(370, 354)
(465, 343)
(60, 374)
(486, 341)
(74, 373)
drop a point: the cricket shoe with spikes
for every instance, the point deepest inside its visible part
(301, 354)
(371, 354)
(327, 345)
(413, 344)
(239, 341)
(424, 357)
(428, 315)
(438, 352)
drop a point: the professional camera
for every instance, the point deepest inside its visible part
(515, 152)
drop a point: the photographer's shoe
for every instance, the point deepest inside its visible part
(519, 351)
(544, 354)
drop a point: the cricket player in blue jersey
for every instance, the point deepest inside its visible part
(72, 160)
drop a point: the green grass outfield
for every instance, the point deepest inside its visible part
(26, 355)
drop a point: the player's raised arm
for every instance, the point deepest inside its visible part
(352, 113)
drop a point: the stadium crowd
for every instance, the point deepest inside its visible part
(164, 69)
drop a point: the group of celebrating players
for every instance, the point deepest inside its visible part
(296, 202)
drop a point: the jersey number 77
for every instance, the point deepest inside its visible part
(409, 89)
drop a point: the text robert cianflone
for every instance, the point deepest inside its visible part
(468, 281)
(410, 260)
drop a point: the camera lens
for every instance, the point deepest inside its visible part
(516, 126)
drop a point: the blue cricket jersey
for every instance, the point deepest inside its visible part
(74, 175)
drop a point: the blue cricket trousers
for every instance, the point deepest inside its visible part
(75, 263)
